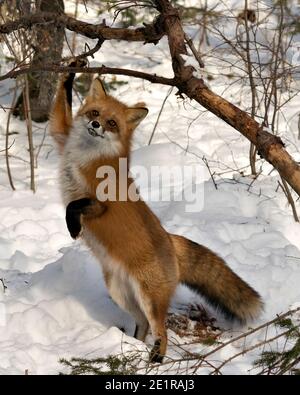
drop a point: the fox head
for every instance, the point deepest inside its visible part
(105, 125)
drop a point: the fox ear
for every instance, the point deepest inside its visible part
(97, 90)
(136, 114)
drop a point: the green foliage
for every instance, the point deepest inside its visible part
(112, 365)
(285, 323)
(286, 361)
(132, 13)
(83, 82)
(296, 28)
(128, 14)
(210, 341)
(113, 84)
(267, 358)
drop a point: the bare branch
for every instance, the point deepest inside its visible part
(269, 146)
(159, 114)
(7, 141)
(168, 22)
(284, 186)
(147, 34)
(26, 68)
(196, 53)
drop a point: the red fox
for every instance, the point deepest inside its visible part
(142, 263)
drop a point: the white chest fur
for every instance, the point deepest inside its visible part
(122, 287)
(72, 183)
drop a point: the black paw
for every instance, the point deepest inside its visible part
(155, 355)
(78, 63)
(73, 213)
(69, 79)
(74, 63)
(156, 358)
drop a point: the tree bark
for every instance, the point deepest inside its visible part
(48, 45)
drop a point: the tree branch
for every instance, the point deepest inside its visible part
(148, 33)
(26, 68)
(268, 145)
(168, 22)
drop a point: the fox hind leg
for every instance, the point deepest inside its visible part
(142, 326)
(158, 329)
(155, 312)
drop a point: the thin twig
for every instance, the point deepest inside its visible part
(7, 140)
(73, 46)
(252, 348)
(84, 55)
(27, 111)
(159, 114)
(286, 190)
(211, 174)
(3, 284)
(196, 53)
(250, 332)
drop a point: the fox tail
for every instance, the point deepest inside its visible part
(206, 273)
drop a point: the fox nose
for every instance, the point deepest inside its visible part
(96, 124)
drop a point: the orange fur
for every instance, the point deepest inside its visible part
(60, 116)
(142, 263)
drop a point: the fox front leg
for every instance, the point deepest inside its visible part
(61, 112)
(89, 208)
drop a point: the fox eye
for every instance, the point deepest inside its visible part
(95, 113)
(112, 123)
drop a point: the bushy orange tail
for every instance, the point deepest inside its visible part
(207, 274)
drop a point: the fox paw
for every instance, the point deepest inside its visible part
(77, 62)
(73, 213)
(155, 355)
(68, 78)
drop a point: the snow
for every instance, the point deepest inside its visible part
(56, 304)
